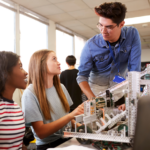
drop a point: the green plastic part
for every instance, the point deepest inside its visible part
(121, 127)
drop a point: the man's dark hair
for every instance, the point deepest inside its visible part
(7, 61)
(71, 60)
(115, 11)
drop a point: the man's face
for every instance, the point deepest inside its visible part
(109, 30)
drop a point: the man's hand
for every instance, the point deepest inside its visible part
(122, 107)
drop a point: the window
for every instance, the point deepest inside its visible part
(33, 37)
(64, 47)
(7, 29)
(79, 44)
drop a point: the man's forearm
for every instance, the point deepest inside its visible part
(86, 89)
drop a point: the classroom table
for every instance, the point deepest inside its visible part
(73, 144)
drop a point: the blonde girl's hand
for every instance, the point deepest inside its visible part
(78, 111)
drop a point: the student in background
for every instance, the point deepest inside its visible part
(12, 76)
(68, 79)
(46, 102)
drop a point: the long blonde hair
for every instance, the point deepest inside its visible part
(37, 74)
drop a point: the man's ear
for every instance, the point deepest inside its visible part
(122, 24)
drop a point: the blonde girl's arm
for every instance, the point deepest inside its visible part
(43, 130)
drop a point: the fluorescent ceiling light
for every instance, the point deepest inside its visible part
(32, 15)
(137, 20)
(1, 1)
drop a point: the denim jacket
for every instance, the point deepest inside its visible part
(97, 65)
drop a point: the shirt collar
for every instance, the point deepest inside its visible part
(123, 37)
(6, 100)
(103, 42)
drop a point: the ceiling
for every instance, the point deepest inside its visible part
(79, 16)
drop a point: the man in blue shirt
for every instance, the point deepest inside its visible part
(115, 51)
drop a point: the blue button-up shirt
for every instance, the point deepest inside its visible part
(97, 65)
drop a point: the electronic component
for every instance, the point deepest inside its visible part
(105, 121)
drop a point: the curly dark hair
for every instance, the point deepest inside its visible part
(7, 61)
(114, 10)
(71, 60)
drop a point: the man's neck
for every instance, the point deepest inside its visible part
(71, 67)
(114, 43)
(116, 39)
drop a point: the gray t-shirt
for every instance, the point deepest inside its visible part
(33, 113)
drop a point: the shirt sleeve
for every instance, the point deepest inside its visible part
(67, 95)
(86, 64)
(30, 107)
(134, 62)
(81, 79)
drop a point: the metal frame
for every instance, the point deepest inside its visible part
(133, 92)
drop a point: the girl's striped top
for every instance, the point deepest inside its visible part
(12, 125)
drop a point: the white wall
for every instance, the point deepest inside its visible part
(17, 96)
(145, 55)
